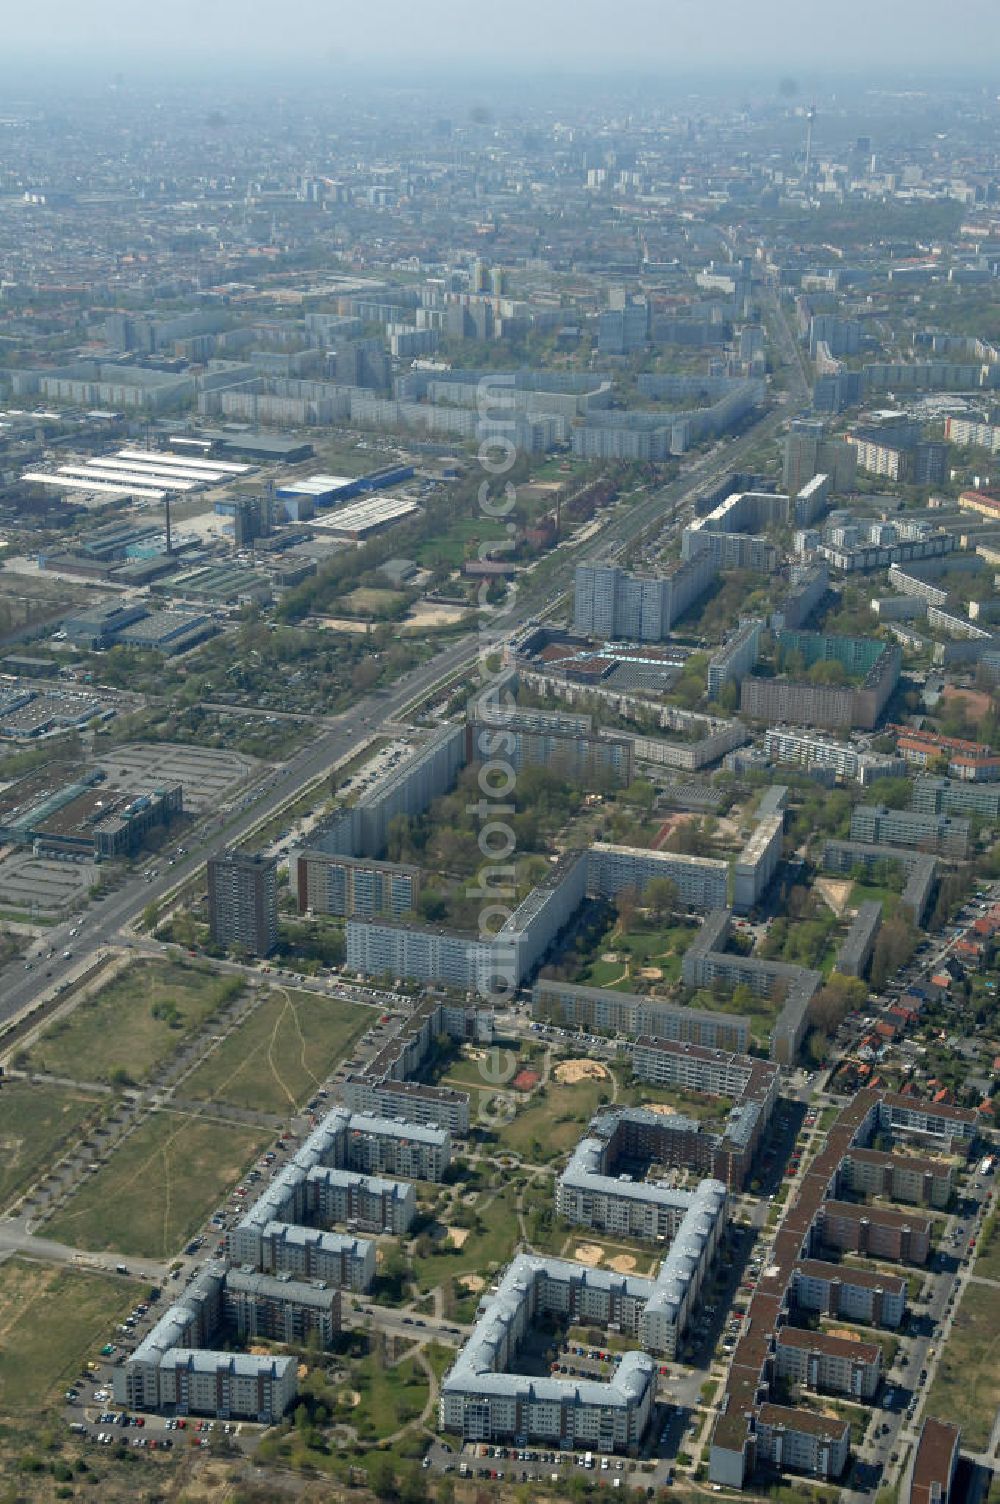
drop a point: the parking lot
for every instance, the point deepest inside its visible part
(206, 775)
(43, 885)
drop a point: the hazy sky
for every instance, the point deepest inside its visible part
(649, 35)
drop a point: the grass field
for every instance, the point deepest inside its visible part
(454, 546)
(872, 893)
(367, 601)
(133, 1023)
(280, 1054)
(490, 1242)
(550, 1123)
(51, 1321)
(966, 1389)
(34, 1121)
(159, 1187)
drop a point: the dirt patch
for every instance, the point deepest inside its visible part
(843, 1331)
(426, 614)
(458, 1235)
(610, 957)
(588, 1253)
(473, 1283)
(834, 893)
(302, 1372)
(349, 1397)
(651, 973)
(622, 1263)
(342, 624)
(662, 1109)
(572, 1071)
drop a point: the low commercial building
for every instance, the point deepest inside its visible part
(837, 1365)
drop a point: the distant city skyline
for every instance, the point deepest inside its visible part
(568, 35)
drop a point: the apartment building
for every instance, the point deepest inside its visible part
(438, 1106)
(367, 1202)
(837, 1365)
(752, 1083)
(280, 1310)
(603, 1011)
(944, 835)
(353, 886)
(609, 602)
(341, 1260)
(731, 663)
(833, 706)
(862, 1295)
(174, 1370)
(859, 942)
(243, 901)
(899, 1177)
(802, 1441)
(706, 961)
(806, 749)
(793, 1278)
(701, 881)
(484, 1399)
(228, 1386)
(877, 1231)
(548, 739)
(756, 864)
(948, 796)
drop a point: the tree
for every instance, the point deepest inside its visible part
(381, 1475)
(660, 896)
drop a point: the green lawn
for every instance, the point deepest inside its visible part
(872, 893)
(966, 1388)
(35, 1123)
(453, 546)
(551, 1121)
(389, 1396)
(278, 1056)
(491, 1241)
(159, 1188)
(52, 1320)
(133, 1023)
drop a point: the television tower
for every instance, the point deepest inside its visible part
(810, 117)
